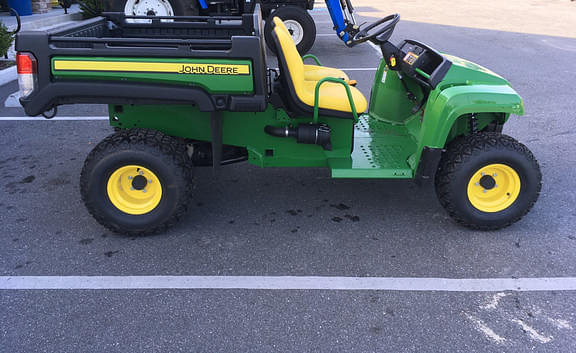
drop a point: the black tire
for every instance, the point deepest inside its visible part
(168, 160)
(299, 15)
(465, 158)
(180, 7)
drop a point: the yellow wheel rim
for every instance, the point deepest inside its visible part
(134, 190)
(494, 188)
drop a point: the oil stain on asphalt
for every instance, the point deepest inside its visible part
(23, 265)
(16, 187)
(111, 253)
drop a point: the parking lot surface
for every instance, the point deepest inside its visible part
(298, 223)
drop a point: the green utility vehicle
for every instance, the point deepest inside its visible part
(195, 92)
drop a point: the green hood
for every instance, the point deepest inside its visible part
(464, 72)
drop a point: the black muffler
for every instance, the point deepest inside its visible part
(311, 134)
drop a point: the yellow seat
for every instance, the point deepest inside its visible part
(315, 72)
(333, 96)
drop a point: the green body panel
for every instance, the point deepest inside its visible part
(243, 130)
(452, 103)
(389, 101)
(212, 83)
(387, 142)
(467, 89)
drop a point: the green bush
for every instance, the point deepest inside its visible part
(6, 39)
(91, 8)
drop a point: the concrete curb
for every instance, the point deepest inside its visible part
(37, 21)
(50, 21)
(8, 75)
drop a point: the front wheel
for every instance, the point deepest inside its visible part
(300, 25)
(137, 182)
(488, 181)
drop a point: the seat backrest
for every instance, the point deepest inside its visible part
(288, 55)
(292, 77)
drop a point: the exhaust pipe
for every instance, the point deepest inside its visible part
(311, 134)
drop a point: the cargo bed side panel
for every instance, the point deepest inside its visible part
(213, 75)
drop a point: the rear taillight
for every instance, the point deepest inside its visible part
(27, 69)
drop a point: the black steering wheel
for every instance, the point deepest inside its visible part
(378, 32)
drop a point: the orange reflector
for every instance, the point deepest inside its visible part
(26, 63)
(353, 83)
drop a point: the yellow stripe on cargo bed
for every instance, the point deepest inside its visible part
(152, 67)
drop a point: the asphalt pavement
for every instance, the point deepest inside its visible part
(298, 222)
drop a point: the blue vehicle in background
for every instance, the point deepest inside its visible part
(294, 13)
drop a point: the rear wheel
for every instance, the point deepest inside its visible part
(152, 7)
(300, 24)
(137, 182)
(488, 181)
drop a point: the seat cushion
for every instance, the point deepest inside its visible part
(316, 73)
(333, 97)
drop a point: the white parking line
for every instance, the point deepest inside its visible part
(374, 46)
(485, 329)
(287, 283)
(40, 118)
(534, 335)
(377, 48)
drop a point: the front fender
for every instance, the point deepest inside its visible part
(454, 102)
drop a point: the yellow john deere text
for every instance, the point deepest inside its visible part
(151, 67)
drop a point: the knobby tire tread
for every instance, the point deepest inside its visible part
(154, 142)
(464, 148)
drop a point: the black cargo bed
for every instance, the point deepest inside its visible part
(116, 35)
